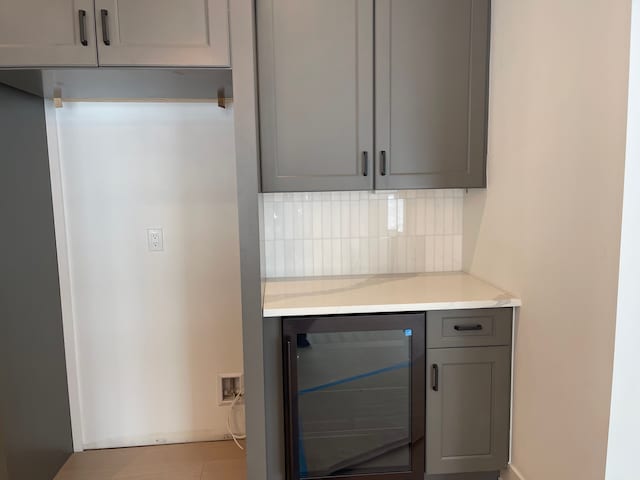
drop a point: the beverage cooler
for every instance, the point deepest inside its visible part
(355, 397)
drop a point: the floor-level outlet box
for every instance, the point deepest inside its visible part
(229, 386)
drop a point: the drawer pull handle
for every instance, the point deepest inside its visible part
(468, 328)
(435, 380)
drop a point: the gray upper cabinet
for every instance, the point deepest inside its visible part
(431, 93)
(316, 94)
(317, 101)
(185, 33)
(39, 33)
(468, 399)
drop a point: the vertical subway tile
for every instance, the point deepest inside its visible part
(383, 255)
(335, 219)
(400, 253)
(354, 219)
(289, 258)
(268, 225)
(345, 218)
(307, 220)
(447, 254)
(364, 256)
(421, 216)
(429, 254)
(298, 261)
(410, 257)
(307, 245)
(458, 213)
(419, 265)
(448, 215)
(439, 253)
(369, 232)
(278, 213)
(326, 256)
(326, 219)
(363, 214)
(438, 218)
(298, 221)
(374, 258)
(336, 256)
(288, 219)
(318, 261)
(316, 208)
(457, 253)
(270, 258)
(280, 260)
(373, 219)
(386, 217)
(345, 256)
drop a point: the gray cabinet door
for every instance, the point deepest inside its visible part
(316, 94)
(468, 409)
(431, 93)
(41, 33)
(185, 33)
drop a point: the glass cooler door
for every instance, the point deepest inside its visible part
(355, 396)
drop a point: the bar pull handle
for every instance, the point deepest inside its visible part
(365, 164)
(468, 328)
(82, 22)
(291, 400)
(435, 377)
(383, 163)
(104, 15)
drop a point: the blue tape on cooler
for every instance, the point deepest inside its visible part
(399, 366)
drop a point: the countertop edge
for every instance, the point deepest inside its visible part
(393, 308)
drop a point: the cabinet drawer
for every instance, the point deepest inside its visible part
(469, 328)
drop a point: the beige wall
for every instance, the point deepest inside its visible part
(548, 226)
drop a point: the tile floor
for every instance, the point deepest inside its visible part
(194, 461)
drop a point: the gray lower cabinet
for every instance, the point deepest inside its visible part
(468, 405)
(323, 125)
(315, 66)
(36, 33)
(188, 33)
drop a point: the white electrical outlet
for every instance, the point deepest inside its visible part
(229, 386)
(155, 239)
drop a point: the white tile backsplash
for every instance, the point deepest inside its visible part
(350, 233)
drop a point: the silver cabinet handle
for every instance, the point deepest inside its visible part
(104, 15)
(82, 22)
(383, 163)
(365, 164)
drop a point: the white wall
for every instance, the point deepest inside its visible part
(624, 427)
(548, 226)
(153, 330)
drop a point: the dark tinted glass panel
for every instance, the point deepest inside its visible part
(354, 393)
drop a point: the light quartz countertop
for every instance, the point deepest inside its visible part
(381, 293)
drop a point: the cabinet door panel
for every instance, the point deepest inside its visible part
(431, 92)
(468, 409)
(316, 94)
(189, 33)
(39, 33)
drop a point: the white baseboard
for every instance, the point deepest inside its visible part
(165, 439)
(512, 473)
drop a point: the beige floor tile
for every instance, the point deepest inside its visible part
(195, 461)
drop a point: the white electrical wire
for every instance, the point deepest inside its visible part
(235, 437)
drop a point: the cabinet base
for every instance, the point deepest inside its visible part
(465, 476)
